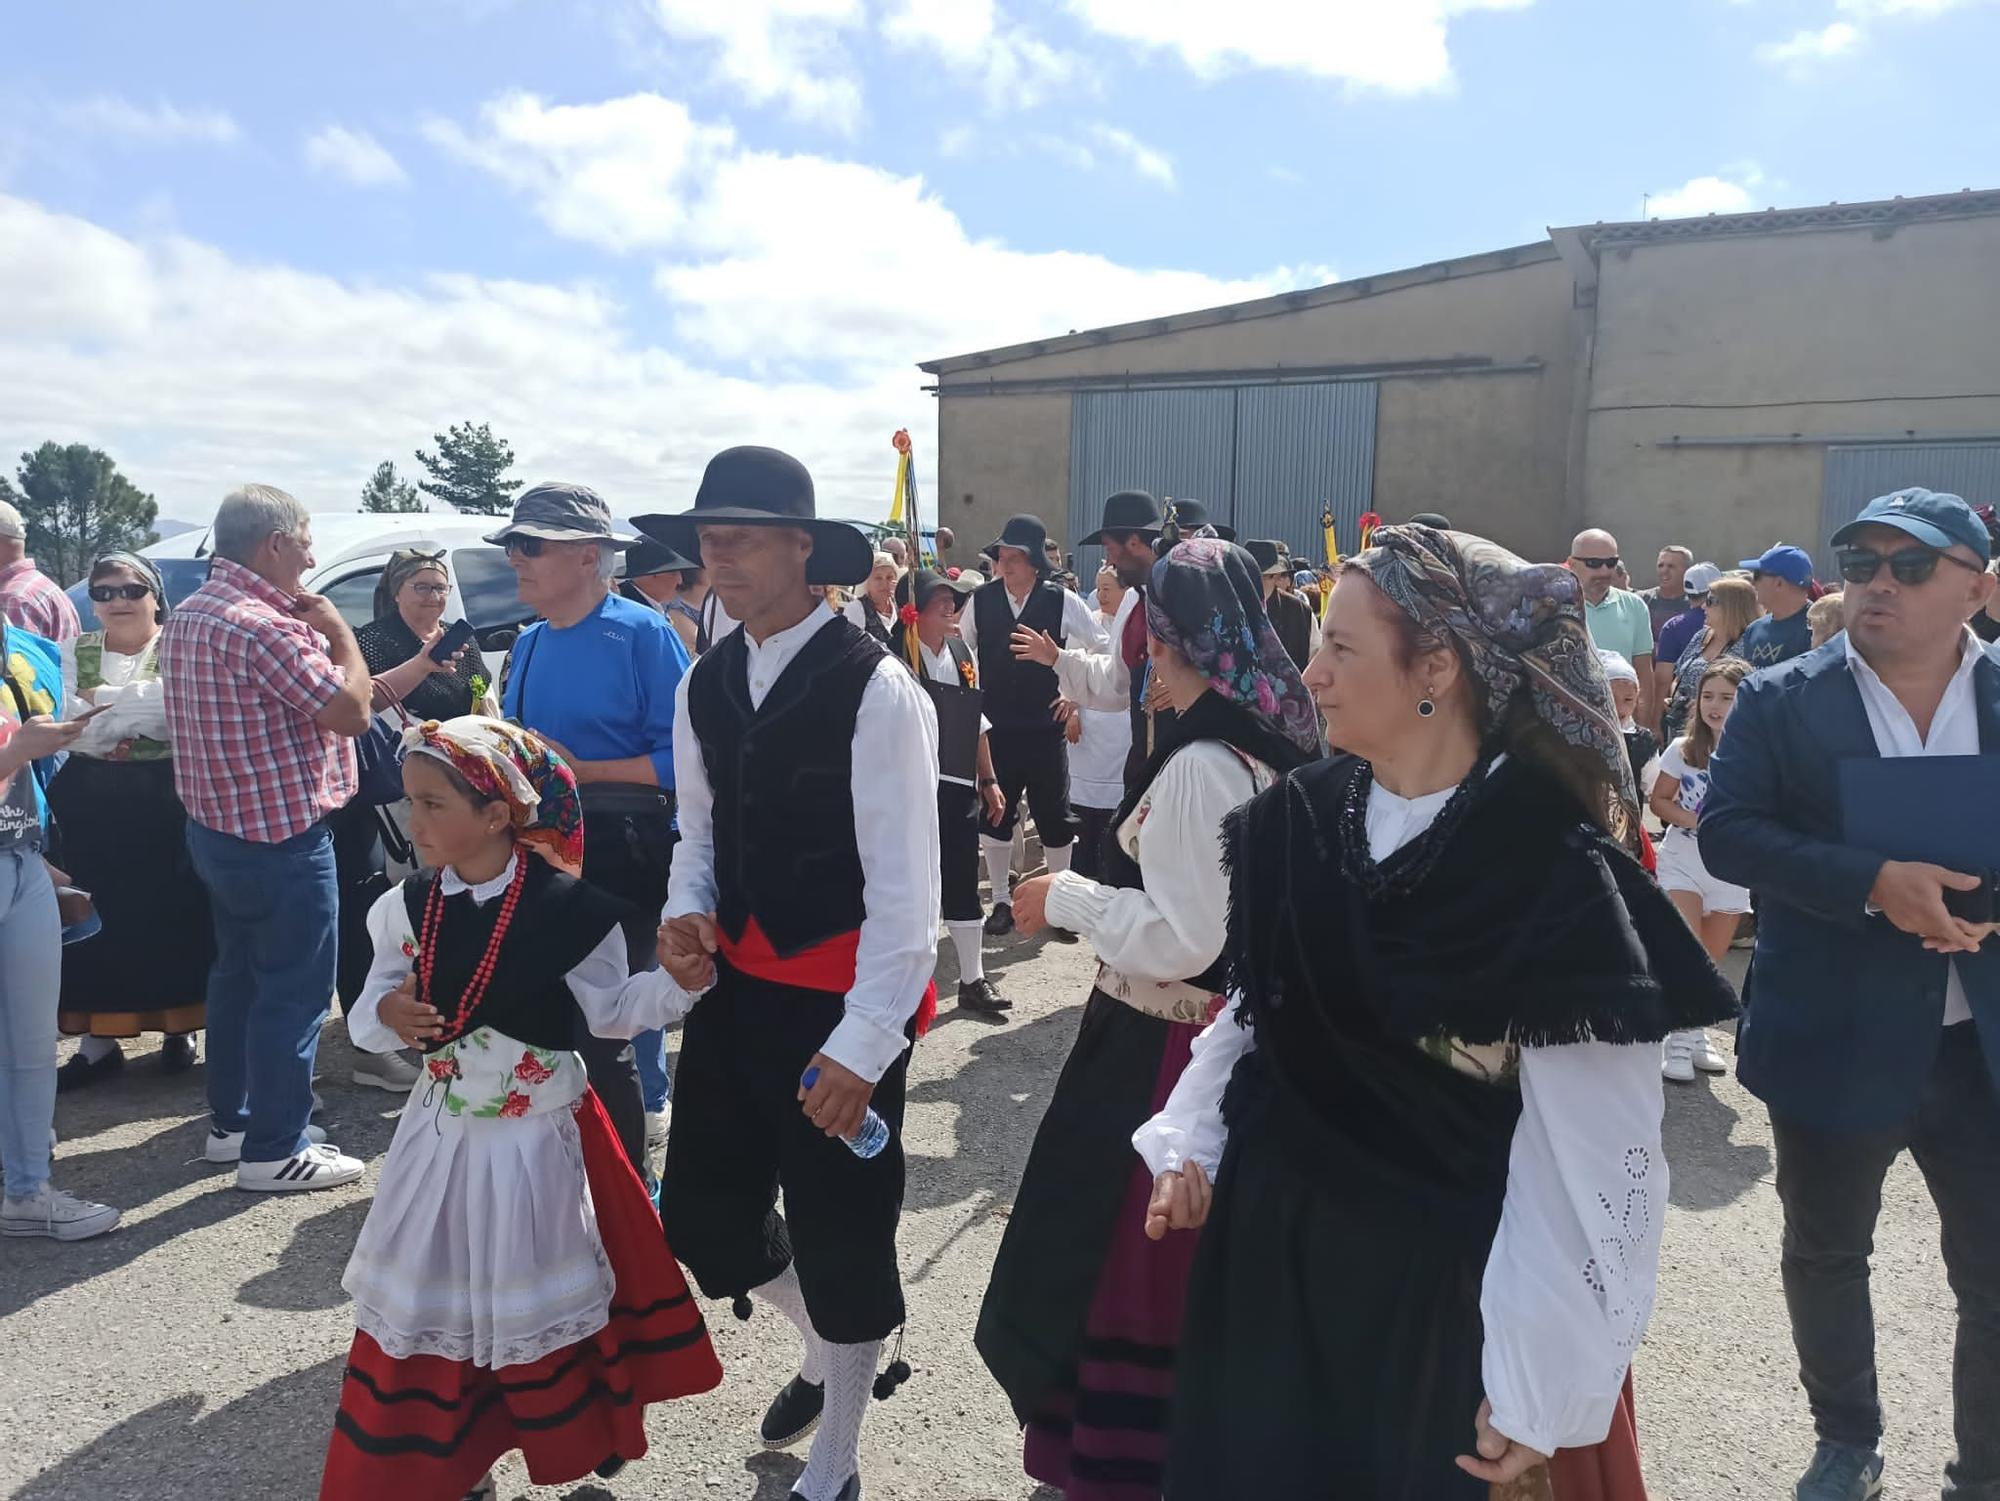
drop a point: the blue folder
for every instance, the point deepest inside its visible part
(1941, 809)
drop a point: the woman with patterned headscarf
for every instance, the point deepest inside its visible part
(1083, 1313)
(1425, 1137)
(511, 1288)
(124, 840)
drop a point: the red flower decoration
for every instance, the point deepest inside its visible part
(409, 948)
(443, 1069)
(951, 573)
(517, 1105)
(908, 614)
(531, 1070)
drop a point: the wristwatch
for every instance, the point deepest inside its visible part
(985, 782)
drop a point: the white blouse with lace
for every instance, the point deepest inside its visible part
(482, 1244)
(1570, 1280)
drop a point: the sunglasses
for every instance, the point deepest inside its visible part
(103, 594)
(1913, 565)
(527, 547)
(1611, 562)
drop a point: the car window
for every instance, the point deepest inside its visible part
(353, 595)
(486, 584)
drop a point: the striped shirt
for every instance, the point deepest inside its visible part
(243, 678)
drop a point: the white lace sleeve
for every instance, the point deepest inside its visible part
(1189, 1126)
(1570, 1280)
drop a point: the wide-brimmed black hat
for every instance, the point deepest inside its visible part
(1272, 556)
(1027, 533)
(921, 585)
(763, 487)
(1191, 516)
(559, 512)
(651, 557)
(1127, 511)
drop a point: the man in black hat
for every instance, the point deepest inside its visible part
(966, 784)
(1029, 754)
(805, 905)
(595, 676)
(1291, 617)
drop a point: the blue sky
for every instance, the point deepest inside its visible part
(285, 242)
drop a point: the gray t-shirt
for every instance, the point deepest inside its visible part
(18, 823)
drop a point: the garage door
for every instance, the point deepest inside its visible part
(1858, 472)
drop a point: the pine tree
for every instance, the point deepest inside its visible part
(465, 472)
(78, 507)
(386, 491)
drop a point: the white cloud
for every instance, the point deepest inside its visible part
(1144, 159)
(1727, 194)
(163, 124)
(1399, 47)
(1873, 8)
(782, 52)
(1804, 48)
(1014, 68)
(354, 156)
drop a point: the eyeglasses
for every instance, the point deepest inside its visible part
(1913, 565)
(1611, 562)
(432, 591)
(527, 547)
(103, 594)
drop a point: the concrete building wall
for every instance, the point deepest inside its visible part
(1823, 334)
(998, 455)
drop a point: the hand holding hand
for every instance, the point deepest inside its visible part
(1031, 645)
(1910, 894)
(687, 950)
(1499, 1461)
(1031, 906)
(1180, 1201)
(408, 1017)
(838, 1101)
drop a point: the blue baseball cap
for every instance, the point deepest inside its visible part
(1932, 517)
(1788, 562)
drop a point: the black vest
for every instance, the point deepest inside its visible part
(783, 814)
(958, 707)
(872, 623)
(1291, 618)
(1018, 692)
(559, 921)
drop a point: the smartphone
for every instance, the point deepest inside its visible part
(87, 715)
(1975, 906)
(449, 643)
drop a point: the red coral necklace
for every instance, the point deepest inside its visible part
(482, 976)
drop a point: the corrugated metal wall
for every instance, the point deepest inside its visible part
(1857, 473)
(1265, 459)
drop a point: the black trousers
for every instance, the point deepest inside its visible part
(739, 1136)
(958, 850)
(630, 856)
(1093, 829)
(358, 868)
(1035, 762)
(1831, 1187)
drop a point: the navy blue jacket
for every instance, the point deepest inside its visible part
(1845, 1011)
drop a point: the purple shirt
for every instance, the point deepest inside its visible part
(1676, 633)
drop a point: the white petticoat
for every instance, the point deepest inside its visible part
(481, 1244)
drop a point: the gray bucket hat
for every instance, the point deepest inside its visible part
(560, 512)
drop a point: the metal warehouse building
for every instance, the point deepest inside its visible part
(1724, 382)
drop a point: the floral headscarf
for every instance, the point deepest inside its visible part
(1517, 622)
(404, 565)
(516, 766)
(1207, 602)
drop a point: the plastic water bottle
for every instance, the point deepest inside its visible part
(874, 1132)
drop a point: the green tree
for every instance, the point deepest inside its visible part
(79, 507)
(465, 472)
(387, 491)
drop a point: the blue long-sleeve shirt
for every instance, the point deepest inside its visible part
(604, 687)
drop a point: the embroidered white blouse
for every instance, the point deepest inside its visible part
(1570, 1280)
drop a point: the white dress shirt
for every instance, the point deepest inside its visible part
(894, 754)
(1079, 621)
(1586, 1198)
(1097, 677)
(1954, 732)
(942, 667)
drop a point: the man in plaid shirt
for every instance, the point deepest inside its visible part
(29, 597)
(265, 692)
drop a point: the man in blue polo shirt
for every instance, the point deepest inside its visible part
(1783, 580)
(596, 677)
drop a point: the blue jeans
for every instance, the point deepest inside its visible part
(275, 909)
(655, 1083)
(30, 981)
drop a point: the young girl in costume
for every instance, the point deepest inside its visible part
(511, 1287)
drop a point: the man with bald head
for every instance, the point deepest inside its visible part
(1618, 619)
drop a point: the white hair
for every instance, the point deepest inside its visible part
(607, 562)
(249, 514)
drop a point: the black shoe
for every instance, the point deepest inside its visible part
(177, 1053)
(979, 995)
(609, 1467)
(80, 1072)
(1000, 920)
(792, 1415)
(1061, 935)
(848, 1492)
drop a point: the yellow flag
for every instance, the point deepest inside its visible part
(902, 484)
(1332, 546)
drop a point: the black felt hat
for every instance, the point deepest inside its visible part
(1127, 511)
(1191, 516)
(1027, 533)
(1272, 556)
(651, 557)
(921, 585)
(763, 487)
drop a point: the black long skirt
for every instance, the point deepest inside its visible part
(124, 841)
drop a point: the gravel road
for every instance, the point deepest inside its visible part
(196, 1352)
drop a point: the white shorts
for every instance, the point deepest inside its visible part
(1681, 870)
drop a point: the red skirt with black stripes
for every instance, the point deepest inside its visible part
(426, 1428)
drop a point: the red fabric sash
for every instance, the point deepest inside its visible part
(828, 965)
(1132, 645)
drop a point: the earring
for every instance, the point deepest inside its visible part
(1426, 708)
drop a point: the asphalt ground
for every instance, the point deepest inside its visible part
(196, 1352)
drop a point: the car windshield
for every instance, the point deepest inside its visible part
(182, 576)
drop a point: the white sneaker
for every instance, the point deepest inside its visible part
(55, 1215)
(318, 1166)
(1677, 1058)
(390, 1071)
(227, 1146)
(1705, 1056)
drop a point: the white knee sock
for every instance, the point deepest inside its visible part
(783, 1293)
(965, 937)
(999, 861)
(836, 1450)
(93, 1047)
(1058, 859)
